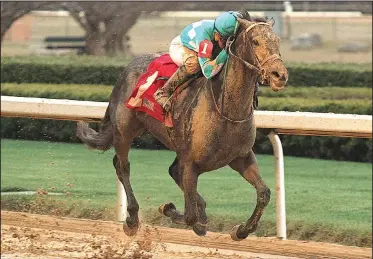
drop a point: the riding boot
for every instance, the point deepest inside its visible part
(163, 94)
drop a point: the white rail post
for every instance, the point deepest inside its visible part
(121, 202)
(280, 185)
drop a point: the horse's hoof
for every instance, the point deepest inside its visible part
(165, 208)
(236, 233)
(130, 231)
(200, 229)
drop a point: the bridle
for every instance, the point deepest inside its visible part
(258, 67)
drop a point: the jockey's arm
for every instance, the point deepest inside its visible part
(210, 67)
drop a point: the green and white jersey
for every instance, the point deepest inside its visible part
(199, 36)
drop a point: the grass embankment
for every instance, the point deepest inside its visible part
(326, 201)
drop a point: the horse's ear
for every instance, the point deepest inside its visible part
(243, 14)
(271, 21)
(243, 22)
(240, 20)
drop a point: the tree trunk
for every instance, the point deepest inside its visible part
(116, 29)
(124, 46)
(95, 42)
(123, 38)
(110, 39)
(110, 46)
(120, 42)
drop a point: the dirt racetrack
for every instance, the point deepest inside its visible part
(33, 236)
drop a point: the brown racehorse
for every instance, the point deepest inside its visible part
(213, 125)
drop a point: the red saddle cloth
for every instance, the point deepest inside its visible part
(142, 99)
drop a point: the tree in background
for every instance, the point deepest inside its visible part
(105, 24)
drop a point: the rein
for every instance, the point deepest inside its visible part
(258, 69)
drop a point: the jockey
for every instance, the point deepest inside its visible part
(200, 46)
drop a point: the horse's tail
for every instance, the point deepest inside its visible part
(101, 140)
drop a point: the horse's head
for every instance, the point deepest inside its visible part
(258, 46)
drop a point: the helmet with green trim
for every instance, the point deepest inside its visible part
(225, 23)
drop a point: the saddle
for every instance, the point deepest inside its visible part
(142, 98)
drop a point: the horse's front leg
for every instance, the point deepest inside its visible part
(248, 169)
(169, 209)
(189, 181)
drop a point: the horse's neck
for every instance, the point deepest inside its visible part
(236, 97)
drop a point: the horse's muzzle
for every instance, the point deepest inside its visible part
(278, 79)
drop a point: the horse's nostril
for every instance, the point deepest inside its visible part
(279, 76)
(284, 77)
(275, 74)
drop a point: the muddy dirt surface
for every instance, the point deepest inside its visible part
(33, 236)
(24, 242)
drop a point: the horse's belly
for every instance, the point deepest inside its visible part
(219, 159)
(217, 151)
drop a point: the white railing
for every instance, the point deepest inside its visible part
(294, 123)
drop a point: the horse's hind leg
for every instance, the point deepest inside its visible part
(248, 169)
(170, 210)
(122, 142)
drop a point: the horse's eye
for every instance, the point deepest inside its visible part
(256, 42)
